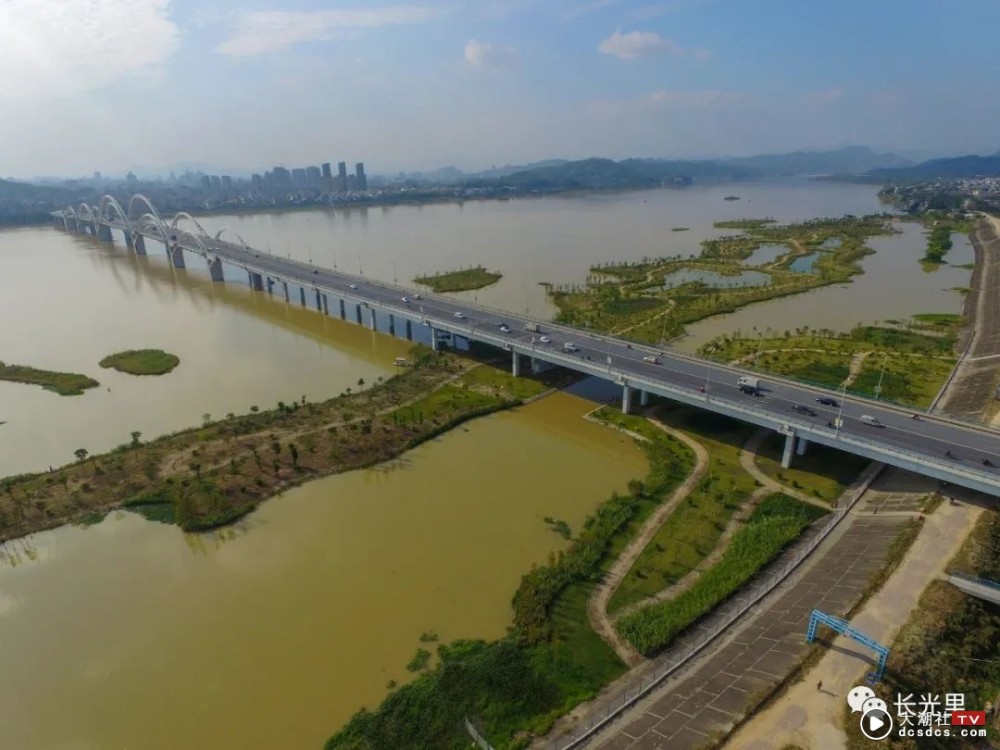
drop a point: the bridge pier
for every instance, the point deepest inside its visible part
(786, 457)
(626, 399)
(800, 446)
(515, 364)
(409, 330)
(319, 301)
(104, 233)
(643, 398)
(326, 305)
(215, 270)
(256, 281)
(302, 296)
(434, 339)
(392, 324)
(270, 284)
(177, 256)
(357, 313)
(139, 244)
(284, 286)
(374, 321)
(343, 310)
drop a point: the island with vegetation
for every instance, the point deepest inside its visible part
(211, 475)
(63, 383)
(638, 299)
(142, 361)
(464, 280)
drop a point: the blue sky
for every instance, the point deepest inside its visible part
(417, 84)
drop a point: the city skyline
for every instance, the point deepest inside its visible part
(422, 85)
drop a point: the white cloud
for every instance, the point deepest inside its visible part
(489, 55)
(638, 44)
(55, 47)
(267, 31)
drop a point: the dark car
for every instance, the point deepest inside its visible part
(802, 409)
(827, 401)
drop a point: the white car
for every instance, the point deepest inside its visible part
(504, 328)
(568, 347)
(416, 296)
(354, 286)
(544, 340)
(406, 300)
(652, 360)
(459, 314)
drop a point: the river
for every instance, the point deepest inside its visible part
(271, 633)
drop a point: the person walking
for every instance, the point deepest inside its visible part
(819, 686)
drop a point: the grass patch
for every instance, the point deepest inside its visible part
(780, 504)
(460, 281)
(493, 380)
(142, 362)
(63, 383)
(419, 661)
(822, 472)
(652, 628)
(692, 531)
(680, 229)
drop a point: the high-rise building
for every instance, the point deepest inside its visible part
(269, 186)
(327, 178)
(132, 180)
(97, 176)
(216, 183)
(206, 182)
(313, 178)
(282, 179)
(227, 184)
(299, 177)
(352, 182)
(359, 172)
(341, 176)
(257, 182)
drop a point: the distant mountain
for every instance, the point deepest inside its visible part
(851, 160)
(507, 169)
(958, 167)
(605, 174)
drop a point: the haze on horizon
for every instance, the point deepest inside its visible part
(113, 85)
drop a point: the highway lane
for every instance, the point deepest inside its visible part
(929, 436)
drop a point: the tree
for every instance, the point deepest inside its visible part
(295, 455)
(206, 418)
(81, 454)
(361, 384)
(636, 488)
(254, 409)
(135, 438)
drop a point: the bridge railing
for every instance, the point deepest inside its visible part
(974, 579)
(566, 330)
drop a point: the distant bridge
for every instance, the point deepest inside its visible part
(961, 453)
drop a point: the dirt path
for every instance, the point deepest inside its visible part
(812, 718)
(597, 604)
(748, 460)
(852, 373)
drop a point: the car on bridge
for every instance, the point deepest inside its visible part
(405, 299)
(568, 347)
(803, 409)
(828, 401)
(504, 328)
(651, 359)
(544, 340)
(354, 286)
(459, 314)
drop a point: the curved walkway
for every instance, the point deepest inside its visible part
(748, 460)
(597, 604)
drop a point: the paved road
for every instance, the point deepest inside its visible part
(915, 444)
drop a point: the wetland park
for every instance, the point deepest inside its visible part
(402, 548)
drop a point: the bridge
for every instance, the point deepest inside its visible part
(960, 453)
(980, 588)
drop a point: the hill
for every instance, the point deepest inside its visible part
(851, 160)
(958, 167)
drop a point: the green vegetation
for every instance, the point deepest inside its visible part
(640, 300)
(693, 530)
(419, 661)
(211, 475)
(948, 645)
(560, 527)
(551, 661)
(745, 224)
(939, 236)
(63, 383)
(460, 281)
(680, 229)
(822, 472)
(766, 533)
(906, 365)
(142, 362)
(494, 380)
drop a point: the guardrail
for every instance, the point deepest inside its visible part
(667, 666)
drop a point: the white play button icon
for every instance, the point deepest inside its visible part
(876, 724)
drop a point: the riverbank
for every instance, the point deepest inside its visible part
(465, 280)
(209, 476)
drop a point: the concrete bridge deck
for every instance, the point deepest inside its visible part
(964, 454)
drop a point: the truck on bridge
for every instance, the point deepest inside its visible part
(748, 384)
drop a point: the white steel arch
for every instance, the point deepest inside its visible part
(152, 214)
(218, 235)
(109, 202)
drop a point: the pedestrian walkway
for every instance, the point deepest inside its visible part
(813, 718)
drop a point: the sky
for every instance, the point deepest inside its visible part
(113, 85)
